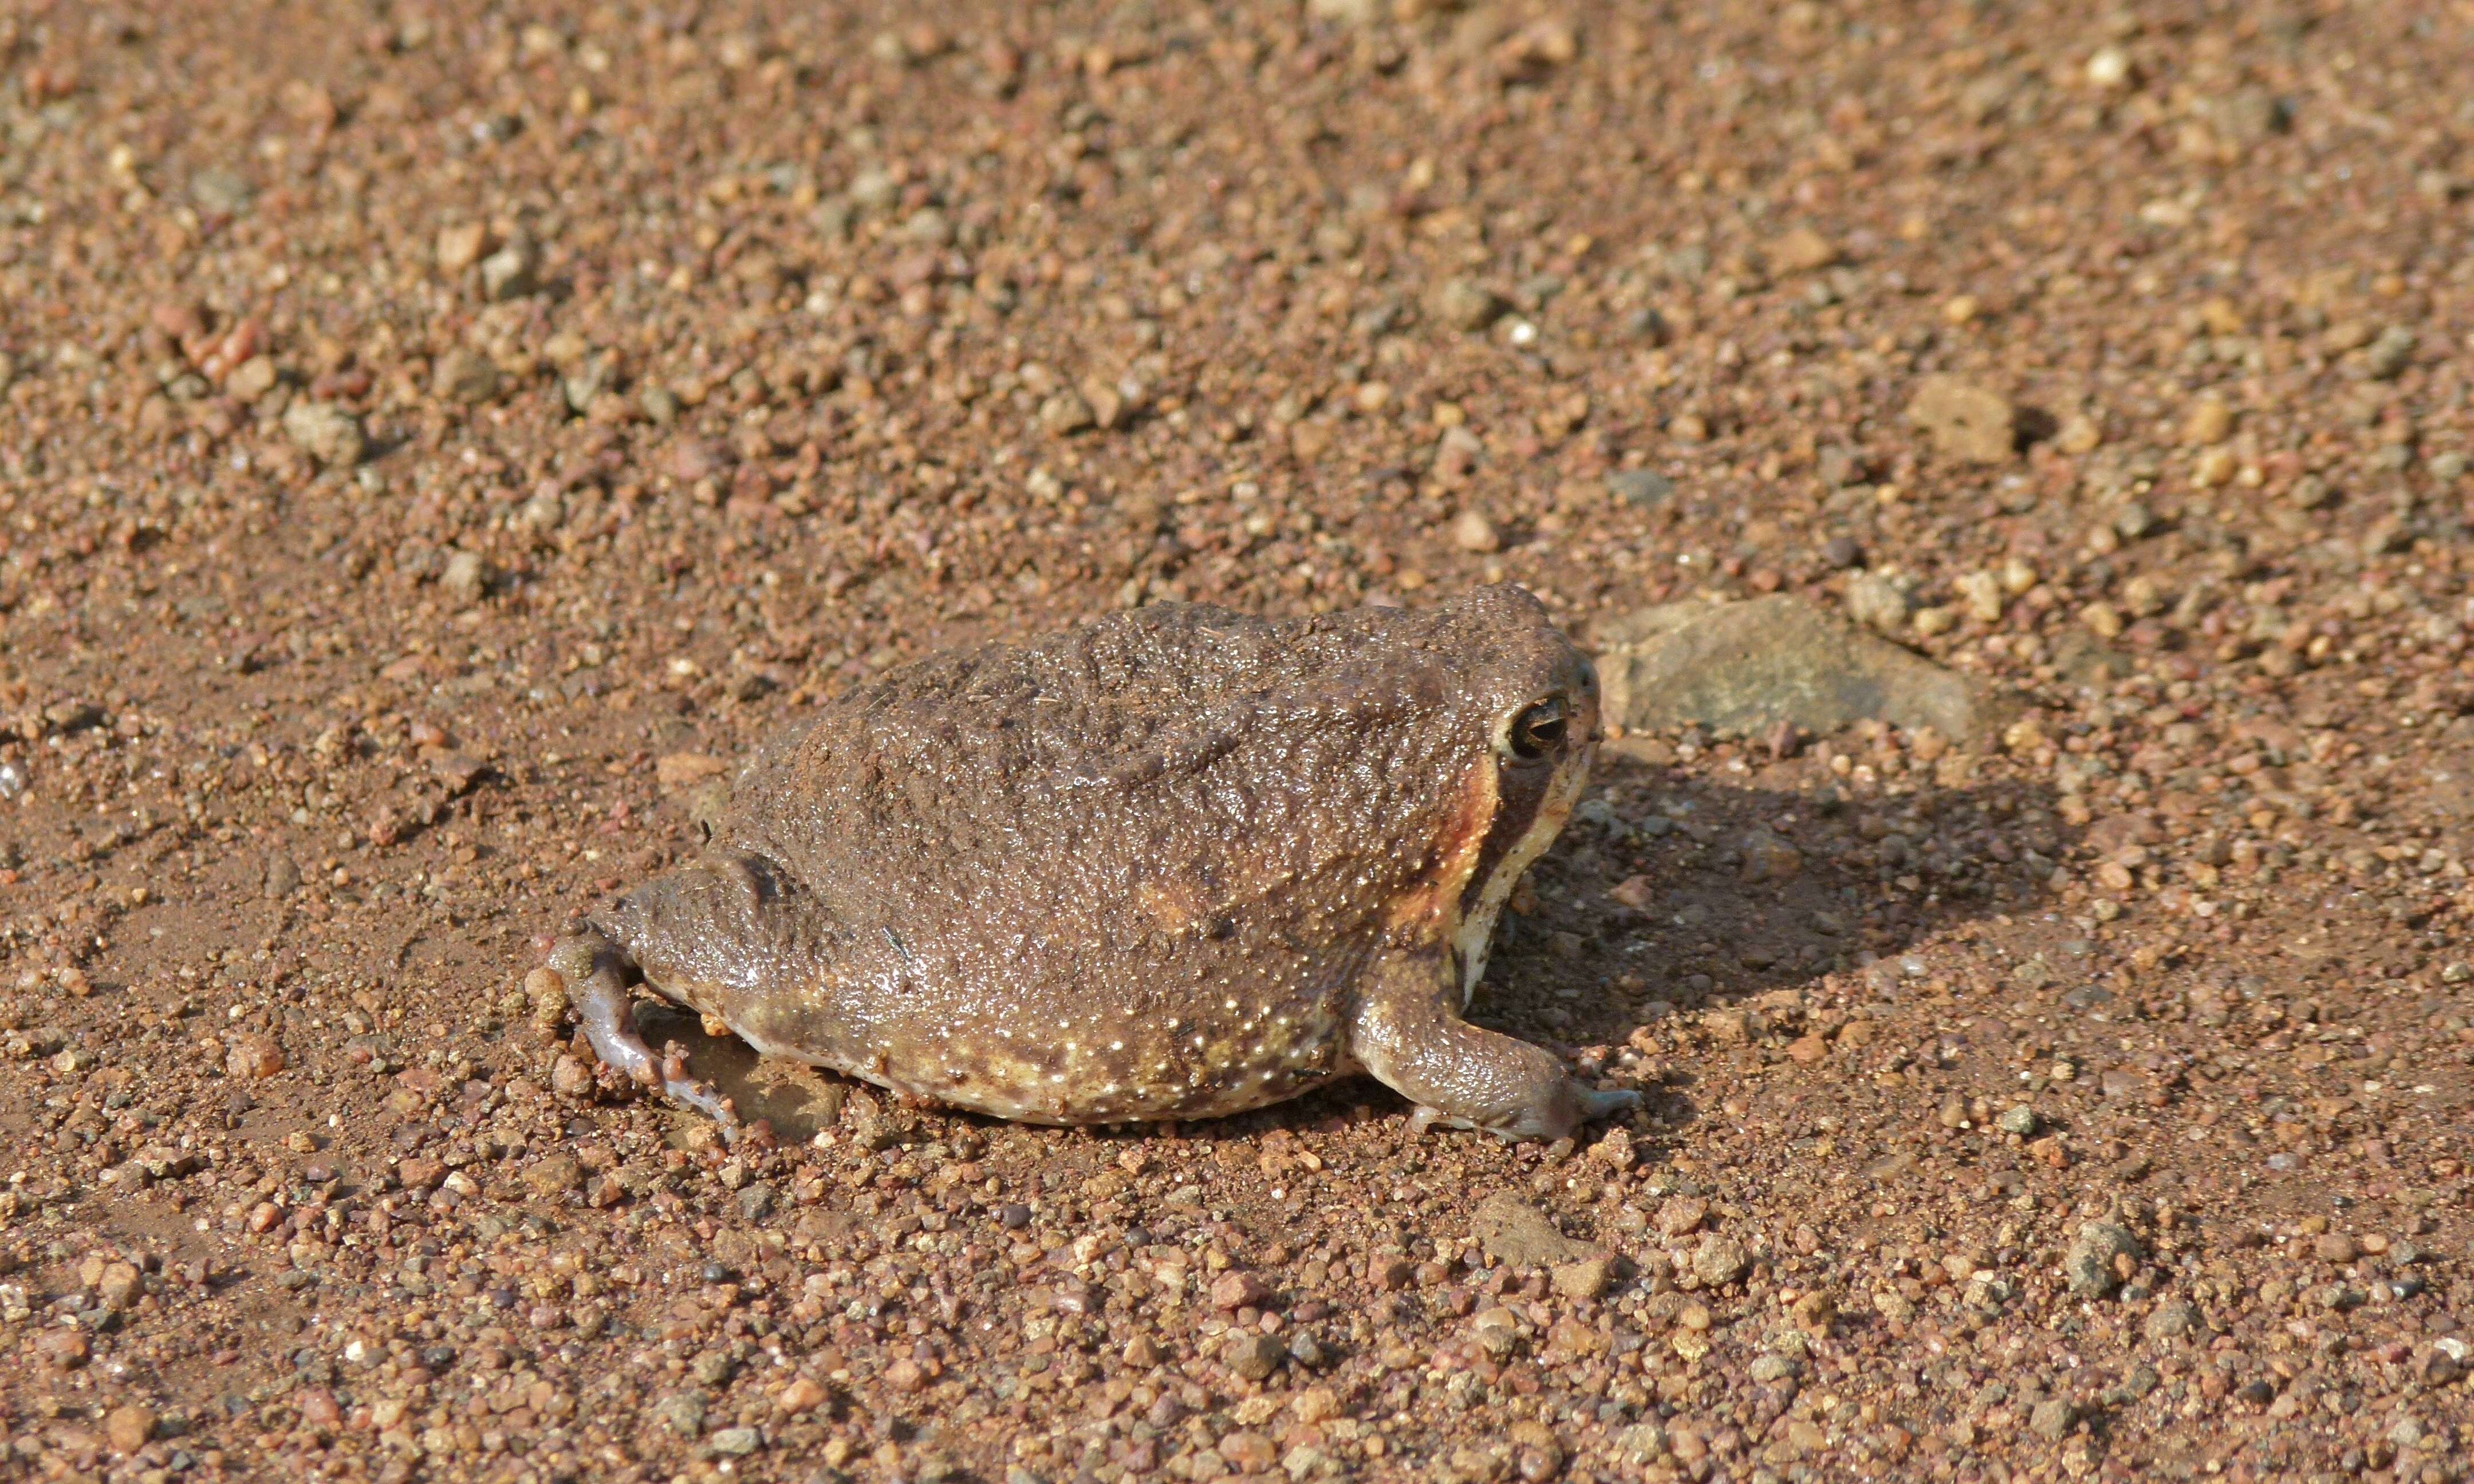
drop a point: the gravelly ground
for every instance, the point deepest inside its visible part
(424, 422)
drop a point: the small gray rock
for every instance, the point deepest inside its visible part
(757, 1201)
(1464, 306)
(1770, 1369)
(682, 1412)
(2087, 1265)
(1641, 1443)
(2020, 1120)
(1743, 668)
(2170, 1322)
(1639, 488)
(223, 192)
(282, 876)
(737, 1442)
(2389, 354)
(2052, 1419)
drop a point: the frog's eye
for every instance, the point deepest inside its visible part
(1538, 730)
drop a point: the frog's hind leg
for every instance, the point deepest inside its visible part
(1407, 1030)
(599, 974)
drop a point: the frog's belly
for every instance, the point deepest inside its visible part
(1091, 1071)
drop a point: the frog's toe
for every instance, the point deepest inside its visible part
(1597, 1104)
(701, 1097)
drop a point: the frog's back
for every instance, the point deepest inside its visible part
(1123, 874)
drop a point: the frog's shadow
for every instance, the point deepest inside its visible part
(1593, 964)
(1713, 915)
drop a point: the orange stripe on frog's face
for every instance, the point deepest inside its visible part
(1435, 903)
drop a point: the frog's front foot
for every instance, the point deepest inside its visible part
(596, 975)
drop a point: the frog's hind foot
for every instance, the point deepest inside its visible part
(1592, 1105)
(597, 973)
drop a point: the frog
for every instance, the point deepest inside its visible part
(1175, 863)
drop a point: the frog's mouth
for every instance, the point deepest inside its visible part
(1532, 806)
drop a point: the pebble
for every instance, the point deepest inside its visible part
(460, 246)
(2389, 356)
(1639, 488)
(223, 192)
(1769, 1370)
(1518, 1234)
(1743, 668)
(119, 1285)
(1967, 422)
(465, 376)
(326, 432)
(466, 578)
(2052, 1419)
(2335, 1247)
(1879, 602)
(1466, 305)
(1585, 1279)
(1252, 1354)
(510, 272)
(1066, 413)
(1720, 1260)
(2210, 423)
(1801, 250)
(737, 1442)
(254, 1057)
(1472, 531)
(130, 1427)
(2020, 1120)
(252, 379)
(1238, 1290)
(2170, 1322)
(282, 876)
(2089, 1265)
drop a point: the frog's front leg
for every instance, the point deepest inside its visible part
(1407, 1030)
(597, 973)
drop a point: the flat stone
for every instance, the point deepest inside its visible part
(1519, 1236)
(1744, 668)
